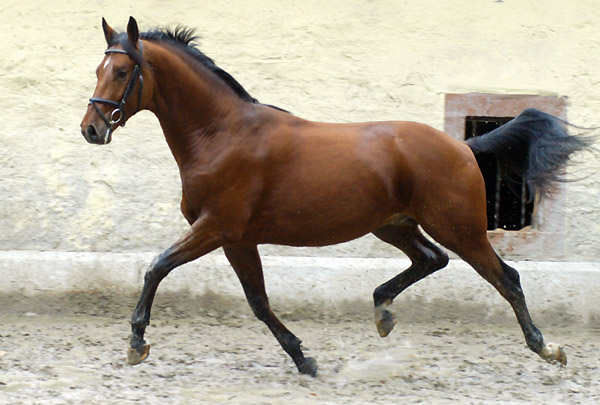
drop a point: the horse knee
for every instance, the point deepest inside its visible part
(260, 307)
(153, 275)
(160, 266)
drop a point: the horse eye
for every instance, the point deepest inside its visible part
(121, 73)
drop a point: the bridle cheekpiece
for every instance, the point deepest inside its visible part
(118, 117)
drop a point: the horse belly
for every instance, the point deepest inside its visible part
(310, 232)
(323, 218)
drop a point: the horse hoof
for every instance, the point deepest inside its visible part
(309, 366)
(554, 353)
(385, 323)
(138, 354)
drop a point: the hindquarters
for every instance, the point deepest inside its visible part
(448, 200)
(449, 204)
(448, 197)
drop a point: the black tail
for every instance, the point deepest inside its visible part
(532, 148)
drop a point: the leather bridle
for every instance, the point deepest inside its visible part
(118, 117)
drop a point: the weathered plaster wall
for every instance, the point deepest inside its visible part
(335, 60)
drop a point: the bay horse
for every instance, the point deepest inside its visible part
(253, 174)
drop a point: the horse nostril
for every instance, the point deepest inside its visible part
(90, 130)
(90, 133)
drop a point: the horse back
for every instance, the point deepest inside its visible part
(325, 178)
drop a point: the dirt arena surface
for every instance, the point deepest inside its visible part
(71, 349)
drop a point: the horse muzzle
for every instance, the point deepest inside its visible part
(97, 134)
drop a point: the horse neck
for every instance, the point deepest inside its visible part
(190, 102)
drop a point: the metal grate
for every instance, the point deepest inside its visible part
(506, 209)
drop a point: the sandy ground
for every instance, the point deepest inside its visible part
(71, 349)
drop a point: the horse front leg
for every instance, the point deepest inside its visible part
(245, 260)
(199, 240)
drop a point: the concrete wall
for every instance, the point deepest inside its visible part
(335, 60)
(558, 293)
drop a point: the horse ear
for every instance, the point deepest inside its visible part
(109, 33)
(133, 32)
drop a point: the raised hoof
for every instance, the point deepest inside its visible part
(385, 323)
(309, 366)
(554, 353)
(138, 354)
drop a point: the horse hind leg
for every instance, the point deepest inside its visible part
(426, 258)
(245, 260)
(510, 288)
(507, 281)
(474, 247)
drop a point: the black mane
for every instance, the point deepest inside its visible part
(185, 39)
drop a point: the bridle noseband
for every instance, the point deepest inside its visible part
(118, 114)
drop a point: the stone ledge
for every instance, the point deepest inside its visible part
(557, 292)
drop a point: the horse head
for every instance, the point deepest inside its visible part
(120, 90)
